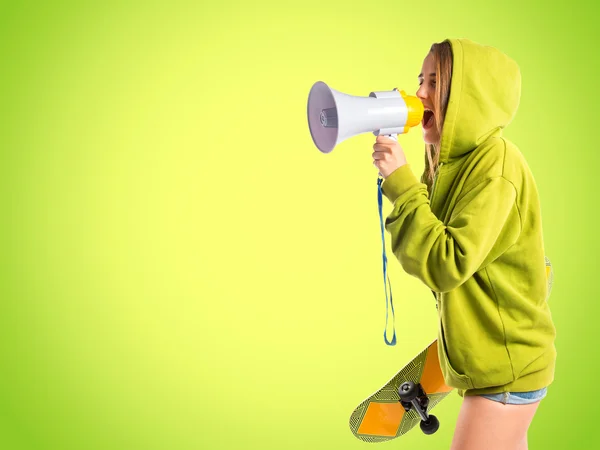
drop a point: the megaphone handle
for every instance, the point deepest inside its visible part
(395, 138)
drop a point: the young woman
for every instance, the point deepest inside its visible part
(470, 229)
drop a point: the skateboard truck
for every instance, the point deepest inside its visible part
(413, 396)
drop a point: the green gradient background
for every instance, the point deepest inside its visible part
(182, 269)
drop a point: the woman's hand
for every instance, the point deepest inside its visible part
(388, 155)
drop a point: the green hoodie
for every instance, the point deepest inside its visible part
(477, 243)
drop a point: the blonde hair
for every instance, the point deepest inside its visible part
(442, 56)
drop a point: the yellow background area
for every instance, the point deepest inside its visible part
(183, 269)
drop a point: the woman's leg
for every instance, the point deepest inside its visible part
(490, 425)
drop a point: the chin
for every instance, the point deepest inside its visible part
(430, 140)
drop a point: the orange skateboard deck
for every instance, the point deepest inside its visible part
(407, 399)
(383, 416)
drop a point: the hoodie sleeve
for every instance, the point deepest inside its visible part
(445, 256)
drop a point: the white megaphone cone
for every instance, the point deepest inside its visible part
(334, 116)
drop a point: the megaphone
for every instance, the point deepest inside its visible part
(334, 116)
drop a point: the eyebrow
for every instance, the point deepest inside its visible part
(431, 75)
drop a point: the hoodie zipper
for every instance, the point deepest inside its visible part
(435, 177)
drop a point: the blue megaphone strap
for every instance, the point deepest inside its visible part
(386, 279)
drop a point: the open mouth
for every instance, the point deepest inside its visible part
(428, 119)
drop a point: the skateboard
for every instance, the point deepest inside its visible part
(408, 398)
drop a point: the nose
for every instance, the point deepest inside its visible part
(421, 93)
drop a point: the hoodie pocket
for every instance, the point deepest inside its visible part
(452, 377)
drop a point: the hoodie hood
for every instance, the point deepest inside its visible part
(484, 97)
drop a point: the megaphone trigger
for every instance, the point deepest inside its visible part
(393, 136)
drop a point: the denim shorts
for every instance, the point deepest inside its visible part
(518, 398)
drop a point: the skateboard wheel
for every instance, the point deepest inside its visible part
(408, 391)
(431, 425)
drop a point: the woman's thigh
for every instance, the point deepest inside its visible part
(491, 425)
